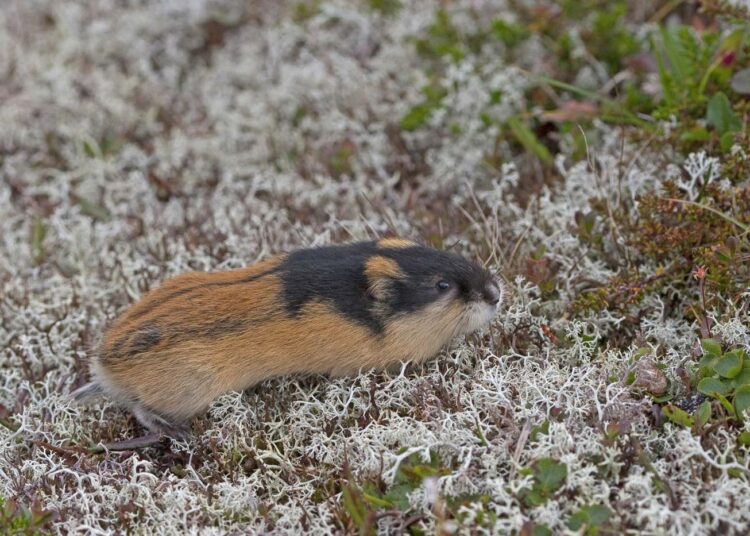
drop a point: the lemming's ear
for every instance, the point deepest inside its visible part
(380, 271)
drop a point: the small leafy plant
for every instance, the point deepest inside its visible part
(590, 519)
(690, 64)
(722, 376)
(549, 476)
(725, 376)
(363, 503)
(16, 519)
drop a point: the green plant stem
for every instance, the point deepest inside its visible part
(626, 117)
(728, 218)
(665, 10)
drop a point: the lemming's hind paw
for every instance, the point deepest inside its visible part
(156, 423)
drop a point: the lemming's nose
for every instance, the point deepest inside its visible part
(491, 294)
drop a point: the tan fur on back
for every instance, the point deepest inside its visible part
(395, 243)
(185, 302)
(383, 267)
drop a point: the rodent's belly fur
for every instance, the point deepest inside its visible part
(201, 335)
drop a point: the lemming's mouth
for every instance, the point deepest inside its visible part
(476, 316)
(479, 312)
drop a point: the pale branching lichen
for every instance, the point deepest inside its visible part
(143, 140)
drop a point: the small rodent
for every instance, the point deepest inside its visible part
(334, 309)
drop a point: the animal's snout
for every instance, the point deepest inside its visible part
(492, 294)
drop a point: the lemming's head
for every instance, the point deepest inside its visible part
(412, 279)
(378, 283)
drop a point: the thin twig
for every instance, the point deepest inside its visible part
(730, 219)
(149, 440)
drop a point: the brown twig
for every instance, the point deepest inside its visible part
(149, 440)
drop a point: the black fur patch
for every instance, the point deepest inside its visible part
(145, 338)
(336, 275)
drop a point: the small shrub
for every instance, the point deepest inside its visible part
(17, 520)
(725, 376)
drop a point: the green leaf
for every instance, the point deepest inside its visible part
(707, 363)
(508, 33)
(550, 475)
(576, 521)
(598, 514)
(679, 59)
(744, 439)
(593, 516)
(541, 530)
(90, 150)
(38, 232)
(353, 506)
(398, 495)
(729, 365)
(538, 430)
(712, 386)
(93, 210)
(703, 413)
(720, 115)
(536, 498)
(743, 378)
(386, 7)
(726, 141)
(711, 347)
(377, 502)
(667, 82)
(528, 139)
(695, 134)
(742, 399)
(677, 415)
(417, 117)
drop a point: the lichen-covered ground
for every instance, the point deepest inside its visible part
(144, 139)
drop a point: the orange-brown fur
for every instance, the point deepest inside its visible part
(395, 243)
(379, 266)
(377, 270)
(197, 307)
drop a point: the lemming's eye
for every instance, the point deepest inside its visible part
(443, 285)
